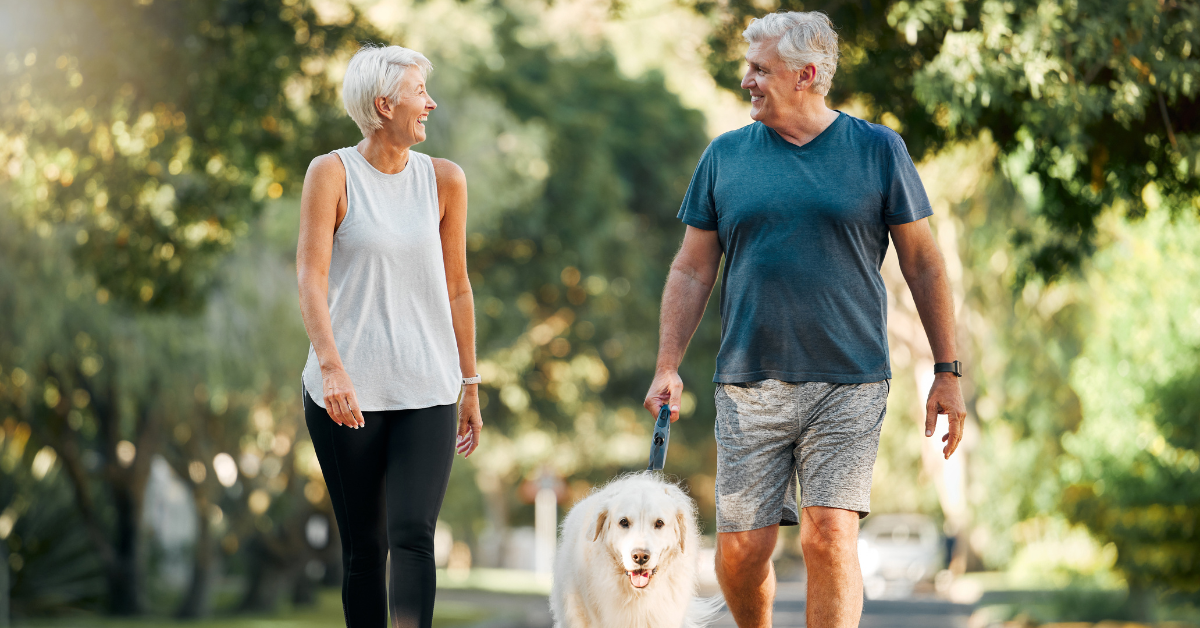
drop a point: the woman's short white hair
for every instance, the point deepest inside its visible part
(804, 38)
(376, 71)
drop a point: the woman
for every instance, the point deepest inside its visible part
(388, 307)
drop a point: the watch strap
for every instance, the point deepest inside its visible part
(472, 380)
(949, 367)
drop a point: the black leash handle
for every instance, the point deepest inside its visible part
(661, 439)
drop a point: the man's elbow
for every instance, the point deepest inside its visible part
(927, 282)
(691, 273)
(926, 267)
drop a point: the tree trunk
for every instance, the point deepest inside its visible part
(1141, 603)
(492, 547)
(198, 600)
(5, 586)
(128, 487)
(267, 578)
(124, 570)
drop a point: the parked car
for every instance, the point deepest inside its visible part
(897, 551)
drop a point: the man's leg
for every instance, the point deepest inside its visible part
(746, 574)
(829, 539)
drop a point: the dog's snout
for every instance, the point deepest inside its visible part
(641, 556)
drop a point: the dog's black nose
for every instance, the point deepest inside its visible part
(641, 556)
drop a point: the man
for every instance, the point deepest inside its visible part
(801, 204)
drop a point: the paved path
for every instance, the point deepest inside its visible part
(879, 614)
(529, 611)
(789, 612)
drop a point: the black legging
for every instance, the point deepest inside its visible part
(399, 461)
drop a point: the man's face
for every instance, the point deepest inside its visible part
(772, 86)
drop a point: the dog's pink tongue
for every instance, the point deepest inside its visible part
(639, 578)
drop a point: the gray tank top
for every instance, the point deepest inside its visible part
(388, 300)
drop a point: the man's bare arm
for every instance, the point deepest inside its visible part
(689, 285)
(925, 272)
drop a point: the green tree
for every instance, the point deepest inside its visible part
(568, 273)
(1094, 100)
(142, 137)
(1134, 464)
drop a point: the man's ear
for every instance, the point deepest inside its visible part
(600, 521)
(808, 76)
(383, 106)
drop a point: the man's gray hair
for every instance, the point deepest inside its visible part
(804, 38)
(376, 71)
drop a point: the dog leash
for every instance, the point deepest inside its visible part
(660, 440)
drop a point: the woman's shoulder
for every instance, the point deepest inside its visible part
(327, 165)
(448, 172)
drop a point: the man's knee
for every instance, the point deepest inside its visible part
(745, 551)
(828, 532)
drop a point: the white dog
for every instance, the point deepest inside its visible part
(628, 559)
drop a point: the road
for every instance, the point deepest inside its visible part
(918, 613)
(530, 611)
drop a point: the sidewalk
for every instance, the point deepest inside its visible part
(508, 610)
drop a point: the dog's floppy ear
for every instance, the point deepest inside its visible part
(684, 515)
(600, 521)
(681, 521)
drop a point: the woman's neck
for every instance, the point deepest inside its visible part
(385, 155)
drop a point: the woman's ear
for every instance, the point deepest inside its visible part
(383, 106)
(600, 521)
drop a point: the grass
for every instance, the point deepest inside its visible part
(326, 613)
(496, 580)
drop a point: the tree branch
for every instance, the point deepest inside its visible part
(1162, 106)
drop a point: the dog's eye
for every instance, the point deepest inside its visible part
(624, 522)
(658, 524)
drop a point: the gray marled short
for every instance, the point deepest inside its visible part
(769, 432)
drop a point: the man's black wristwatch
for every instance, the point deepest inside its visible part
(948, 367)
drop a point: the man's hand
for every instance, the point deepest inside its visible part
(945, 397)
(470, 423)
(666, 388)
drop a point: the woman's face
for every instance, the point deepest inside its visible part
(410, 109)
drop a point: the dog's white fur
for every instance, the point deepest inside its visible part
(593, 586)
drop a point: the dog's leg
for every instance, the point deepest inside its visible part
(574, 616)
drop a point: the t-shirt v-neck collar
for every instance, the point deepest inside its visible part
(811, 143)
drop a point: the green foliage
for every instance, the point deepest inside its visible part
(1134, 464)
(138, 141)
(52, 566)
(568, 273)
(154, 312)
(156, 129)
(1091, 103)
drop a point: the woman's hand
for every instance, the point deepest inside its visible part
(470, 423)
(340, 401)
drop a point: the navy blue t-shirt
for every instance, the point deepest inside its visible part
(804, 230)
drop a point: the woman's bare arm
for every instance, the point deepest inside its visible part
(452, 199)
(322, 208)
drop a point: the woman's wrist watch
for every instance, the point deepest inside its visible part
(472, 380)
